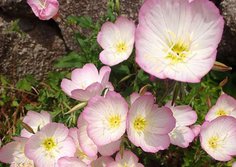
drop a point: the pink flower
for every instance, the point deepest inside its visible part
(49, 144)
(117, 40)
(80, 153)
(86, 82)
(102, 162)
(106, 117)
(88, 146)
(129, 159)
(70, 162)
(44, 9)
(185, 116)
(36, 121)
(177, 39)
(148, 126)
(225, 105)
(13, 153)
(218, 138)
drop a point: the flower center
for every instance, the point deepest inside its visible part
(114, 121)
(221, 112)
(178, 49)
(213, 142)
(121, 47)
(49, 144)
(140, 123)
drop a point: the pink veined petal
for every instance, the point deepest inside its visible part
(109, 149)
(85, 76)
(70, 162)
(184, 115)
(56, 129)
(154, 142)
(181, 136)
(87, 145)
(104, 38)
(7, 152)
(161, 121)
(102, 161)
(127, 155)
(84, 95)
(196, 129)
(104, 75)
(67, 147)
(68, 86)
(112, 58)
(126, 29)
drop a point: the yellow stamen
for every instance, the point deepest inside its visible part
(221, 112)
(178, 52)
(213, 142)
(121, 47)
(140, 123)
(114, 121)
(49, 144)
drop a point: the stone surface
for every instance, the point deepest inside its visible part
(31, 51)
(227, 48)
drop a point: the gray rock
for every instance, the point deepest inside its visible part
(29, 52)
(227, 47)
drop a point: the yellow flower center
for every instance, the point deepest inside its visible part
(114, 121)
(121, 47)
(178, 52)
(49, 144)
(140, 123)
(213, 142)
(221, 113)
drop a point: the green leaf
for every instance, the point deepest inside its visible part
(82, 21)
(23, 84)
(71, 60)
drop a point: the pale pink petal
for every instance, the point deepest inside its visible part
(196, 129)
(102, 161)
(85, 76)
(104, 38)
(68, 86)
(84, 95)
(181, 136)
(111, 58)
(70, 162)
(128, 159)
(109, 149)
(87, 145)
